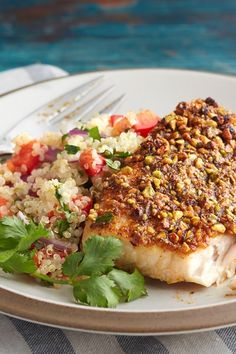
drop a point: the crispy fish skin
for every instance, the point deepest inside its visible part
(174, 203)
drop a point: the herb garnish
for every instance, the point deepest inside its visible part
(62, 226)
(114, 165)
(15, 241)
(64, 137)
(116, 154)
(94, 133)
(91, 273)
(104, 218)
(72, 149)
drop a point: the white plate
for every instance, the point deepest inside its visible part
(167, 309)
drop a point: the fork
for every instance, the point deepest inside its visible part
(65, 107)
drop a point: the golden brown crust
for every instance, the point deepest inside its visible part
(179, 188)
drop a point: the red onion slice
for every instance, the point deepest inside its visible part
(51, 154)
(59, 245)
(77, 131)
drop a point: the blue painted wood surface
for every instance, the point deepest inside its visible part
(88, 35)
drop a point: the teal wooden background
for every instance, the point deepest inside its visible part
(89, 35)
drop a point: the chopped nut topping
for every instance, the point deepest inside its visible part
(181, 181)
(219, 228)
(149, 160)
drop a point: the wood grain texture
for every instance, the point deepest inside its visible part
(89, 35)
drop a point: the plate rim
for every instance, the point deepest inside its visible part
(212, 73)
(220, 308)
(131, 323)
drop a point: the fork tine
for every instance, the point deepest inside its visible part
(84, 109)
(78, 92)
(48, 110)
(70, 98)
(111, 107)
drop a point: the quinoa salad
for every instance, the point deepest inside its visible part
(51, 183)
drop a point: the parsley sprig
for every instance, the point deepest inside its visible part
(91, 272)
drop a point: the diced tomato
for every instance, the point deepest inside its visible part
(87, 207)
(115, 118)
(120, 125)
(92, 162)
(3, 211)
(86, 202)
(24, 157)
(3, 201)
(51, 214)
(36, 260)
(56, 213)
(146, 121)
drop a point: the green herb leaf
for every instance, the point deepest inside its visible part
(15, 239)
(71, 264)
(48, 279)
(64, 136)
(99, 255)
(19, 263)
(7, 254)
(8, 243)
(114, 165)
(34, 232)
(62, 204)
(62, 226)
(122, 154)
(72, 149)
(12, 227)
(94, 133)
(131, 285)
(116, 154)
(58, 195)
(104, 218)
(19, 235)
(107, 154)
(97, 291)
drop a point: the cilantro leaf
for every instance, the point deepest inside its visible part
(72, 149)
(107, 154)
(12, 227)
(48, 279)
(97, 291)
(64, 136)
(33, 233)
(62, 226)
(104, 218)
(5, 255)
(7, 243)
(121, 154)
(114, 165)
(131, 285)
(19, 263)
(64, 207)
(70, 266)
(58, 195)
(19, 236)
(116, 154)
(94, 133)
(99, 255)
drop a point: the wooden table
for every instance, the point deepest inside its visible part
(80, 35)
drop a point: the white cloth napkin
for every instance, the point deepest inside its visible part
(27, 75)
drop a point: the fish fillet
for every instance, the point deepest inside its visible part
(173, 204)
